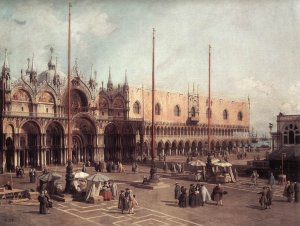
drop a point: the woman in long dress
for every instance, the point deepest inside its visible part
(204, 194)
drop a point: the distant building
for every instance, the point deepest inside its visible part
(108, 123)
(286, 146)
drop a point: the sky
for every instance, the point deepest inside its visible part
(255, 45)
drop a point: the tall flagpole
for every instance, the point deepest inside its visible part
(69, 168)
(153, 96)
(69, 87)
(209, 101)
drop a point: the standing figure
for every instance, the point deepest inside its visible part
(183, 198)
(204, 194)
(114, 190)
(133, 204)
(192, 196)
(198, 195)
(122, 201)
(30, 176)
(217, 195)
(290, 191)
(33, 175)
(177, 191)
(43, 203)
(83, 168)
(272, 180)
(263, 198)
(236, 174)
(269, 197)
(296, 191)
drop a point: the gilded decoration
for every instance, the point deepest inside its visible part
(46, 98)
(21, 95)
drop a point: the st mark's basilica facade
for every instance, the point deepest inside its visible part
(107, 123)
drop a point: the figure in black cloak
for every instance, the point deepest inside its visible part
(122, 201)
(192, 196)
(43, 203)
(217, 194)
(183, 198)
(198, 196)
(177, 191)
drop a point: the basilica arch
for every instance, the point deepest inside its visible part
(30, 141)
(54, 143)
(83, 139)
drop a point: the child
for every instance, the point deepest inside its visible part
(134, 203)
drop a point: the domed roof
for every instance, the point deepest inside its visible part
(48, 75)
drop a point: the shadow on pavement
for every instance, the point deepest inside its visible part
(35, 212)
(255, 207)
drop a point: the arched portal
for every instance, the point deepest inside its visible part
(160, 148)
(128, 143)
(112, 142)
(200, 150)
(174, 148)
(186, 147)
(194, 148)
(84, 136)
(9, 154)
(168, 148)
(54, 143)
(29, 142)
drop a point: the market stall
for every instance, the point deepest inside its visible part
(223, 172)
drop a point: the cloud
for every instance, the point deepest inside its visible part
(20, 22)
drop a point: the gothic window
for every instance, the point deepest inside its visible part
(208, 113)
(157, 109)
(291, 135)
(136, 108)
(177, 110)
(193, 112)
(225, 114)
(240, 116)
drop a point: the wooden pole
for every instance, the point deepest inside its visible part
(69, 87)
(209, 101)
(153, 153)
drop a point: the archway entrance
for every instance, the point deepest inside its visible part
(9, 154)
(83, 140)
(29, 142)
(54, 142)
(112, 142)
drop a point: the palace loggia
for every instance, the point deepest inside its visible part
(107, 123)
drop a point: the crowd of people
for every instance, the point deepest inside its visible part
(198, 195)
(110, 167)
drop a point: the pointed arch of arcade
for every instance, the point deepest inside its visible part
(55, 151)
(10, 155)
(160, 148)
(84, 138)
(30, 144)
(174, 150)
(168, 147)
(187, 147)
(194, 147)
(128, 141)
(200, 148)
(112, 142)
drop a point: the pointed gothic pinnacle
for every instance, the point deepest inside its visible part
(109, 76)
(5, 64)
(32, 62)
(126, 82)
(91, 72)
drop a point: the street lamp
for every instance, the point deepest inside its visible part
(283, 155)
